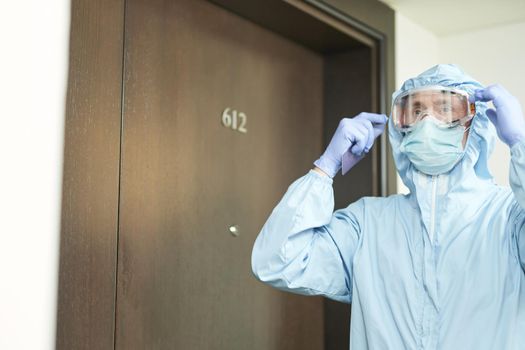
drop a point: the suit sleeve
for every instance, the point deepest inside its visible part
(517, 183)
(305, 247)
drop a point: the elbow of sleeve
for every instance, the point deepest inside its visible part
(264, 274)
(257, 261)
(263, 269)
(260, 268)
(256, 267)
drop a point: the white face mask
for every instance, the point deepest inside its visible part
(433, 149)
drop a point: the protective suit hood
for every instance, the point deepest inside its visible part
(471, 173)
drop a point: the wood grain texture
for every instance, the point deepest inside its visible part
(184, 281)
(88, 240)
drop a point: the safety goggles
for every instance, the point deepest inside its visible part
(449, 106)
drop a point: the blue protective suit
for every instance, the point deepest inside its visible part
(439, 268)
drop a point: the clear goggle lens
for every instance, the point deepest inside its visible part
(450, 107)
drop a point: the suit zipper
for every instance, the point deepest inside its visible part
(433, 208)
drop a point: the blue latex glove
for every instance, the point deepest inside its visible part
(352, 140)
(507, 117)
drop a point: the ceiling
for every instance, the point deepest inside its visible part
(446, 17)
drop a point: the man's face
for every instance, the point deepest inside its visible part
(445, 107)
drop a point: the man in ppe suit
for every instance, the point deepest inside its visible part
(439, 268)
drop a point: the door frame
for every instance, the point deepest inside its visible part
(380, 53)
(91, 168)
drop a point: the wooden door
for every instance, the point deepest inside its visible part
(155, 185)
(187, 179)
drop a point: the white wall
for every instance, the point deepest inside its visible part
(491, 55)
(416, 49)
(33, 68)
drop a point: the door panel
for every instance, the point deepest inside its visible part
(90, 191)
(184, 281)
(172, 182)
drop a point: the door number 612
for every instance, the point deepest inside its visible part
(234, 119)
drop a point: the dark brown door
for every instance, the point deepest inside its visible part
(162, 202)
(188, 179)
